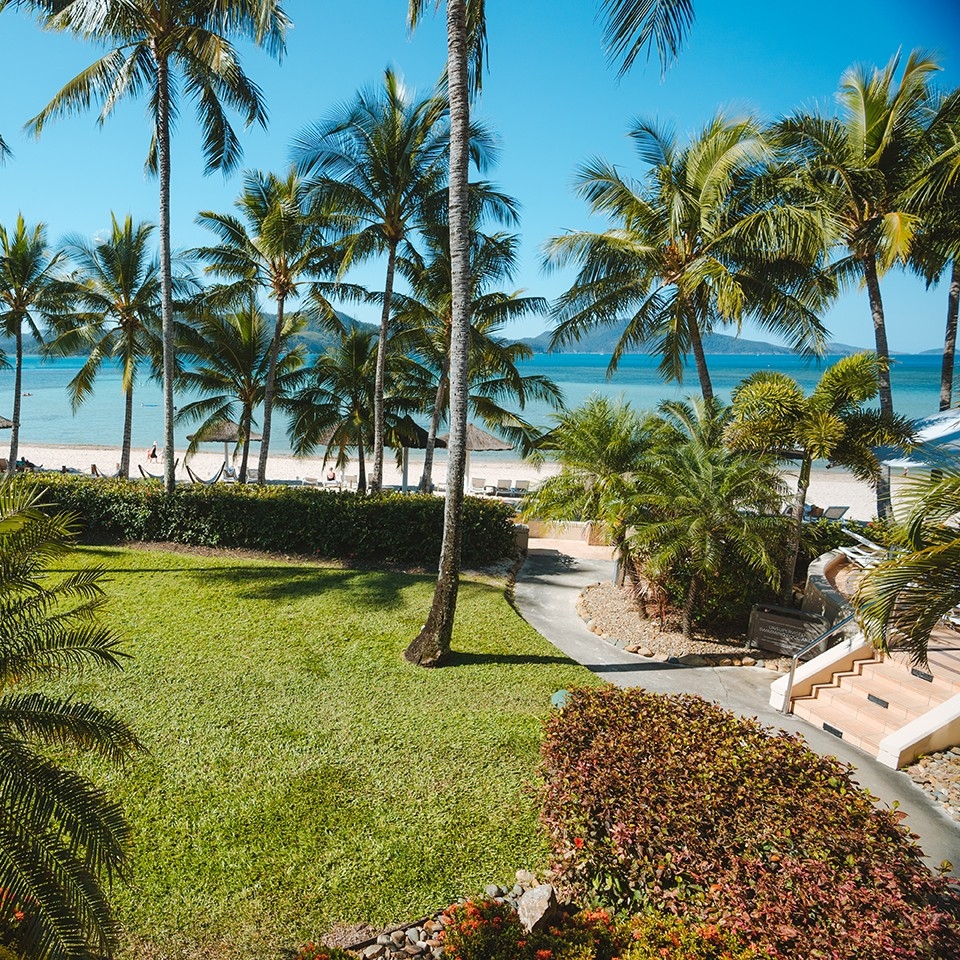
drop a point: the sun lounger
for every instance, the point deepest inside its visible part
(350, 482)
(520, 487)
(834, 513)
(195, 479)
(504, 488)
(478, 486)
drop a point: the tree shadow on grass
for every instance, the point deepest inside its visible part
(286, 581)
(459, 658)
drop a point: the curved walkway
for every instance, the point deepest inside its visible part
(548, 584)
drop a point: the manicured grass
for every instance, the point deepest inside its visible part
(301, 773)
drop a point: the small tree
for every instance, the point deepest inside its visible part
(772, 416)
(700, 505)
(62, 841)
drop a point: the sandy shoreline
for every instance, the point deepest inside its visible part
(828, 487)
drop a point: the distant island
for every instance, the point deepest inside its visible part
(605, 339)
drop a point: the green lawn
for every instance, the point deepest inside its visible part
(301, 773)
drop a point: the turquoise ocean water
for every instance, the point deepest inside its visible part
(46, 416)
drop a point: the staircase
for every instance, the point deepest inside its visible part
(873, 698)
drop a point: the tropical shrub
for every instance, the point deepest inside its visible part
(490, 930)
(313, 951)
(293, 520)
(676, 804)
(62, 840)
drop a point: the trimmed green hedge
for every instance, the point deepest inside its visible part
(389, 528)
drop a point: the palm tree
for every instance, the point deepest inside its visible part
(31, 291)
(861, 164)
(381, 160)
(335, 408)
(599, 446)
(231, 356)
(115, 313)
(4, 150)
(630, 27)
(277, 244)
(167, 49)
(692, 247)
(423, 319)
(63, 840)
(935, 196)
(772, 416)
(899, 602)
(701, 506)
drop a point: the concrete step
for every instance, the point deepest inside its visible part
(904, 693)
(862, 724)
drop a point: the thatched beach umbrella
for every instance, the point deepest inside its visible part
(223, 431)
(6, 424)
(412, 436)
(480, 440)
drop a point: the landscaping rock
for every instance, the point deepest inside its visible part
(373, 951)
(526, 878)
(536, 906)
(493, 890)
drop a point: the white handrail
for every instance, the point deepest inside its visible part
(788, 695)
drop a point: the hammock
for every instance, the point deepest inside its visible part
(213, 479)
(147, 475)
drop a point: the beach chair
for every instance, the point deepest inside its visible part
(195, 479)
(311, 481)
(521, 487)
(504, 488)
(350, 482)
(253, 474)
(478, 486)
(834, 513)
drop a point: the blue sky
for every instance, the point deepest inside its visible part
(549, 95)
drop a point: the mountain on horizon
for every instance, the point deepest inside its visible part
(605, 339)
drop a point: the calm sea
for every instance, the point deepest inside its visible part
(46, 416)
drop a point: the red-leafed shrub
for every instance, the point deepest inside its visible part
(674, 803)
(488, 930)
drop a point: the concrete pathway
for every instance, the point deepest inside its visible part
(553, 576)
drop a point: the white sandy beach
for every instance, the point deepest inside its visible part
(828, 487)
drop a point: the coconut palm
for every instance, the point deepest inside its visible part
(700, 506)
(380, 159)
(423, 319)
(861, 164)
(278, 244)
(630, 27)
(935, 251)
(31, 292)
(4, 150)
(115, 313)
(62, 839)
(772, 416)
(692, 247)
(167, 49)
(230, 358)
(334, 410)
(899, 602)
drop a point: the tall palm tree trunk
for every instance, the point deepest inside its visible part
(127, 433)
(361, 470)
(17, 390)
(884, 503)
(245, 421)
(426, 478)
(432, 644)
(166, 278)
(950, 339)
(268, 390)
(376, 480)
(700, 358)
